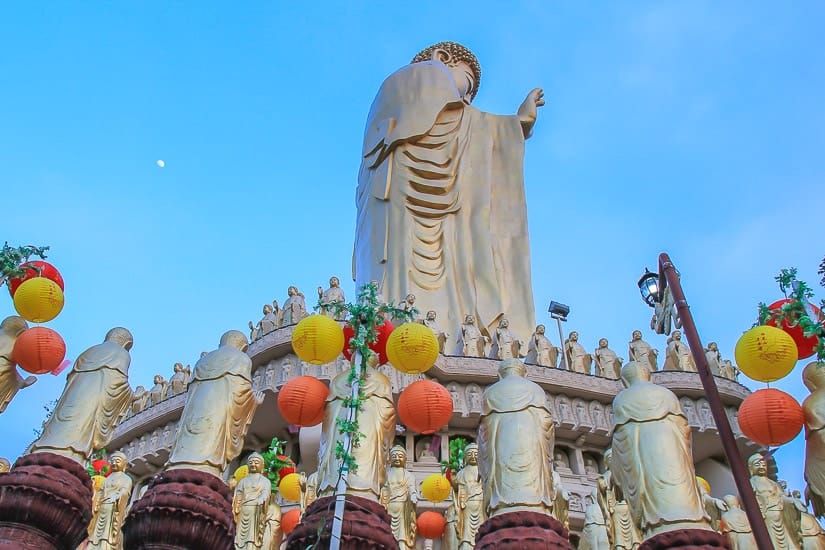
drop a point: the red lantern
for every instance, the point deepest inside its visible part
(102, 467)
(286, 470)
(806, 346)
(290, 520)
(770, 417)
(425, 406)
(47, 270)
(379, 347)
(431, 525)
(39, 350)
(301, 401)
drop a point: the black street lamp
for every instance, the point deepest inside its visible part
(653, 286)
(559, 312)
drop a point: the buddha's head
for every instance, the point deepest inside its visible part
(334, 282)
(757, 465)
(732, 501)
(471, 454)
(813, 376)
(256, 463)
(14, 325)
(461, 62)
(469, 320)
(121, 337)
(634, 372)
(398, 457)
(178, 367)
(504, 323)
(235, 339)
(267, 309)
(512, 366)
(574, 336)
(431, 315)
(602, 342)
(118, 461)
(540, 329)
(637, 335)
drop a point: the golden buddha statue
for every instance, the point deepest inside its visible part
(376, 422)
(515, 442)
(97, 395)
(399, 498)
(109, 507)
(735, 526)
(652, 456)
(309, 489)
(10, 380)
(621, 529)
(5, 465)
(442, 182)
(813, 376)
(249, 505)
(219, 406)
(641, 352)
(540, 351)
(273, 533)
(469, 499)
(594, 535)
(772, 503)
(449, 540)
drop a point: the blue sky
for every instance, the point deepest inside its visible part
(691, 127)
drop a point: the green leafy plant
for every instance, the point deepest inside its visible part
(456, 459)
(796, 312)
(12, 257)
(275, 460)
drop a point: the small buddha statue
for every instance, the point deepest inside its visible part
(440, 335)
(578, 360)
(471, 343)
(331, 296)
(540, 351)
(608, 364)
(158, 391)
(641, 352)
(179, 380)
(109, 507)
(505, 344)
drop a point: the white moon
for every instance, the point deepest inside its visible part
(160, 164)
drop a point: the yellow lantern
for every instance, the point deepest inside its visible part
(241, 472)
(97, 482)
(766, 353)
(317, 339)
(412, 348)
(704, 483)
(290, 487)
(38, 300)
(435, 488)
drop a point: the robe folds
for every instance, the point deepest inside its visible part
(652, 457)
(441, 203)
(219, 407)
(96, 396)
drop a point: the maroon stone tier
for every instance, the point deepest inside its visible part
(181, 509)
(45, 503)
(522, 530)
(693, 539)
(366, 526)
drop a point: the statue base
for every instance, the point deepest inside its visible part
(695, 539)
(45, 503)
(366, 526)
(519, 530)
(181, 509)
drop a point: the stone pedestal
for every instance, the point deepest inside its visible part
(45, 504)
(366, 526)
(694, 539)
(521, 530)
(181, 509)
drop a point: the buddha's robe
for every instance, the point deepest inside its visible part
(441, 203)
(652, 458)
(96, 396)
(219, 406)
(376, 421)
(515, 441)
(249, 507)
(109, 511)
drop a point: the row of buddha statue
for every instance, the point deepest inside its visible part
(162, 389)
(649, 466)
(294, 309)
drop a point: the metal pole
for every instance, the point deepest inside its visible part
(668, 276)
(341, 488)
(563, 361)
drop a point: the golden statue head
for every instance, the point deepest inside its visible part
(267, 309)
(512, 367)
(757, 465)
(178, 367)
(471, 454)
(713, 346)
(255, 461)
(334, 282)
(504, 323)
(634, 372)
(677, 335)
(637, 335)
(431, 315)
(14, 325)
(235, 339)
(460, 60)
(813, 376)
(540, 329)
(574, 336)
(5, 465)
(121, 337)
(602, 342)
(732, 501)
(469, 320)
(292, 291)
(398, 456)
(118, 461)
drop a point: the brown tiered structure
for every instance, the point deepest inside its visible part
(520, 530)
(181, 509)
(366, 526)
(45, 503)
(692, 539)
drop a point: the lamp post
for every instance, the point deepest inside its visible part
(559, 312)
(653, 287)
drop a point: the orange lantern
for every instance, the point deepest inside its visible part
(317, 339)
(806, 346)
(770, 417)
(431, 525)
(39, 350)
(412, 348)
(290, 520)
(425, 406)
(38, 300)
(301, 401)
